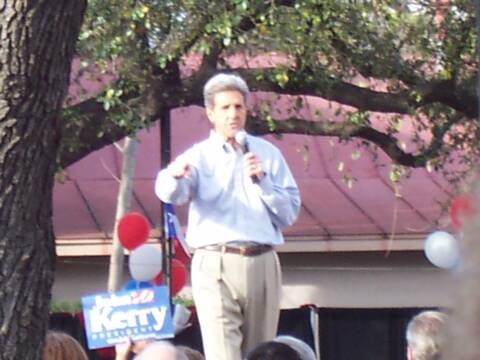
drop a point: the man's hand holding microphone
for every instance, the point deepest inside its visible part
(252, 164)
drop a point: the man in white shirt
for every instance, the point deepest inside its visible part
(241, 194)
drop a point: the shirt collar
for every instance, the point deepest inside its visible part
(217, 142)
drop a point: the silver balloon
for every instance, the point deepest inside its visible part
(145, 262)
(441, 249)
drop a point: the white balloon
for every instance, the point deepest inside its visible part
(145, 262)
(441, 249)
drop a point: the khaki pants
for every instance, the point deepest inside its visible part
(237, 300)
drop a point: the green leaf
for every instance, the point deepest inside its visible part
(356, 155)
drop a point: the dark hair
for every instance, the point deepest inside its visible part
(272, 350)
(300, 346)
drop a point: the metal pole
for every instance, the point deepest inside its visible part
(165, 158)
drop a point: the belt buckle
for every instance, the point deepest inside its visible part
(244, 251)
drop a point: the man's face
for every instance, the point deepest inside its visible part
(228, 114)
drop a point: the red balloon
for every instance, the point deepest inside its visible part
(462, 209)
(133, 230)
(179, 277)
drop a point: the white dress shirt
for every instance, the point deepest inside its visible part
(225, 204)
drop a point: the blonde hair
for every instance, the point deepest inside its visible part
(425, 335)
(61, 346)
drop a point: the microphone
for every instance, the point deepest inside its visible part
(241, 139)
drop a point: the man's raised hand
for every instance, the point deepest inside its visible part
(179, 169)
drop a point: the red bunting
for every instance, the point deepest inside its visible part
(180, 252)
(463, 208)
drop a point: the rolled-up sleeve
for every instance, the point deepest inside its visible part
(171, 190)
(279, 193)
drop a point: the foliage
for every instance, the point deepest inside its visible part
(184, 300)
(65, 306)
(76, 306)
(386, 65)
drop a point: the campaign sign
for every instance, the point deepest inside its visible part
(136, 314)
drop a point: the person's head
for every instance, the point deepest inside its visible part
(161, 350)
(139, 345)
(61, 346)
(301, 347)
(425, 336)
(272, 350)
(225, 97)
(191, 354)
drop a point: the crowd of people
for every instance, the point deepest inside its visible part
(281, 348)
(425, 336)
(62, 346)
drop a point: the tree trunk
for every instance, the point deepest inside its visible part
(124, 200)
(37, 41)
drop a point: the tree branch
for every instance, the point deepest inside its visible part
(344, 130)
(169, 94)
(86, 127)
(363, 98)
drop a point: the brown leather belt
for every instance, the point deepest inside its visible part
(253, 250)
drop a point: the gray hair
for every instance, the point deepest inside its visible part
(301, 347)
(161, 350)
(425, 335)
(223, 82)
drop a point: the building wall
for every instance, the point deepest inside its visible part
(365, 280)
(336, 280)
